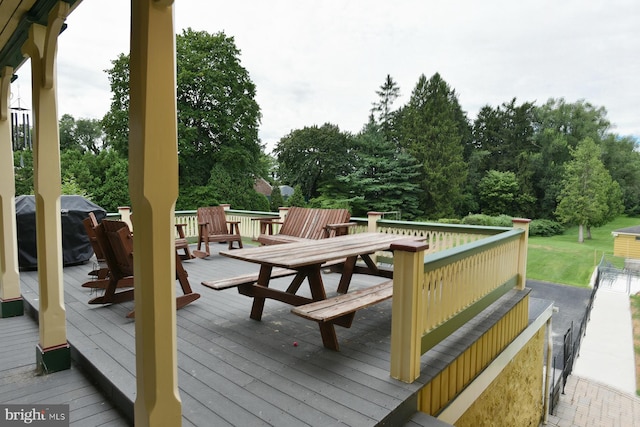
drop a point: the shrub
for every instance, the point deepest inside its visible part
(449, 221)
(545, 228)
(487, 220)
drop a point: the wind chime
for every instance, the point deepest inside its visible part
(20, 126)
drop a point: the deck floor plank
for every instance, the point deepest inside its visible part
(21, 384)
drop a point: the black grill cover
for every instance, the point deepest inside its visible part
(76, 248)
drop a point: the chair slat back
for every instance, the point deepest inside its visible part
(215, 217)
(117, 243)
(90, 223)
(310, 223)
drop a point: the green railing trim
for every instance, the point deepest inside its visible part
(436, 226)
(432, 338)
(252, 213)
(231, 211)
(439, 259)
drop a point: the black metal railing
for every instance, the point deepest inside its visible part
(571, 349)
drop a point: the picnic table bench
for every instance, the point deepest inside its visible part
(344, 307)
(302, 224)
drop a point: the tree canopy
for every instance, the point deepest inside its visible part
(218, 119)
(314, 157)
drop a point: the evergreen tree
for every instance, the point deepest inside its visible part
(297, 198)
(434, 130)
(388, 93)
(384, 178)
(277, 200)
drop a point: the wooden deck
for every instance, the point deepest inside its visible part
(20, 383)
(238, 371)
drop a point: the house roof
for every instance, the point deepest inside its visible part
(629, 230)
(262, 186)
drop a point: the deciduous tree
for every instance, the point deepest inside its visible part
(218, 115)
(589, 197)
(314, 157)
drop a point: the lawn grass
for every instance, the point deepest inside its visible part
(561, 259)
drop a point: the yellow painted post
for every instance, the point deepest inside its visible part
(282, 212)
(372, 223)
(406, 318)
(372, 227)
(11, 303)
(153, 185)
(522, 223)
(53, 353)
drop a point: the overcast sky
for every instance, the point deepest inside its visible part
(318, 61)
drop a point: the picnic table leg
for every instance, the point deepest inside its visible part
(327, 330)
(347, 274)
(258, 302)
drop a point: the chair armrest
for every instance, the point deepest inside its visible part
(266, 224)
(202, 229)
(264, 219)
(339, 229)
(180, 230)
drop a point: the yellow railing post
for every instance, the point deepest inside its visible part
(373, 218)
(522, 223)
(406, 318)
(282, 211)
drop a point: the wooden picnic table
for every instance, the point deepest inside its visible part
(307, 259)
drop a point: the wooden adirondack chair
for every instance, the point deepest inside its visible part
(214, 227)
(182, 244)
(101, 280)
(89, 224)
(305, 223)
(116, 242)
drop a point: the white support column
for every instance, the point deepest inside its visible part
(11, 303)
(153, 185)
(53, 350)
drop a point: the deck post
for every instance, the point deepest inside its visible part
(372, 223)
(153, 185)
(523, 224)
(408, 276)
(282, 212)
(125, 215)
(53, 352)
(11, 303)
